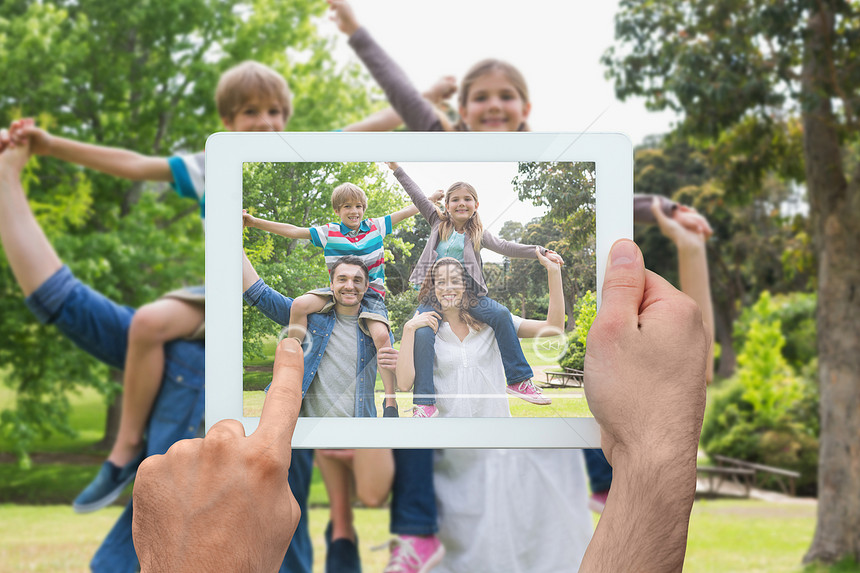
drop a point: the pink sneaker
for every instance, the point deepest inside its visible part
(597, 501)
(414, 554)
(421, 411)
(528, 392)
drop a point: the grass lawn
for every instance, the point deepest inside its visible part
(725, 536)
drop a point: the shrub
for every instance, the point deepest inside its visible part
(584, 312)
(767, 413)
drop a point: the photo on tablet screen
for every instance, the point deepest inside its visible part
(293, 236)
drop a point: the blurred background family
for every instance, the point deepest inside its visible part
(457, 348)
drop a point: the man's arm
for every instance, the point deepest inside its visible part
(221, 503)
(282, 229)
(111, 160)
(645, 383)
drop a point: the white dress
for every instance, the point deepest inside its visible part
(501, 510)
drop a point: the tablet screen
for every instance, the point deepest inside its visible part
(296, 236)
(569, 193)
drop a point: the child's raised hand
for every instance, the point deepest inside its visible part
(392, 165)
(247, 218)
(551, 260)
(686, 228)
(13, 156)
(445, 87)
(343, 16)
(24, 129)
(690, 219)
(436, 196)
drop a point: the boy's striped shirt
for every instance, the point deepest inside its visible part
(337, 240)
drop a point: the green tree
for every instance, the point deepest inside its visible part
(567, 189)
(141, 77)
(740, 71)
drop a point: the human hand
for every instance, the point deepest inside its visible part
(436, 196)
(248, 220)
(343, 16)
(13, 156)
(26, 129)
(684, 229)
(554, 257)
(645, 364)
(386, 357)
(692, 220)
(346, 456)
(551, 260)
(392, 165)
(222, 503)
(429, 319)
(445, 87)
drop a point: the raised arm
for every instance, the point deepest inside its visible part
(282, 229)
(111, 160)
(554, 323)
(692, 268)
(517, 250)
(417, 113)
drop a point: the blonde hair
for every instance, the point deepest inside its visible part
(250, 81)
(473, 229)
(427, 294)
(346, 191)
(483, 68)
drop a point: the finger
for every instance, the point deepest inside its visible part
(284, 398)
(623, 285)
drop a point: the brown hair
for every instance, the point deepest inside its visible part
(350, 260)
(346, 191)
(249, 81)
(483, 68)
(474, 228)
(427, 294)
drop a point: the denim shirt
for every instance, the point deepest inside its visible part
(276, 306)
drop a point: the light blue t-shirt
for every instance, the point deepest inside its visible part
(452, 246)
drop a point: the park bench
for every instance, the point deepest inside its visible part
(568, 377)
(742, 477)
(785, 478)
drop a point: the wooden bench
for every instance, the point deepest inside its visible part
(785, 478)
(569, 377)
(742, 477)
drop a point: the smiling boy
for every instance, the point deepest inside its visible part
(355, 236)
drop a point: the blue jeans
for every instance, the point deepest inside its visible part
(493, 315)
(300, 554)
(413, 499)
(599, 470)
(100, 327)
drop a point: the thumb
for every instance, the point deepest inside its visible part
(623, 285)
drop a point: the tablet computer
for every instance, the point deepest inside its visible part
(538, 188)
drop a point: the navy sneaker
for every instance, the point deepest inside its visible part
(341, 554)
(107, 485)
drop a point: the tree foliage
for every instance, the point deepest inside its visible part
(567, 189)
(140, 77)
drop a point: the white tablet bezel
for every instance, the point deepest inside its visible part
(227, 152)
